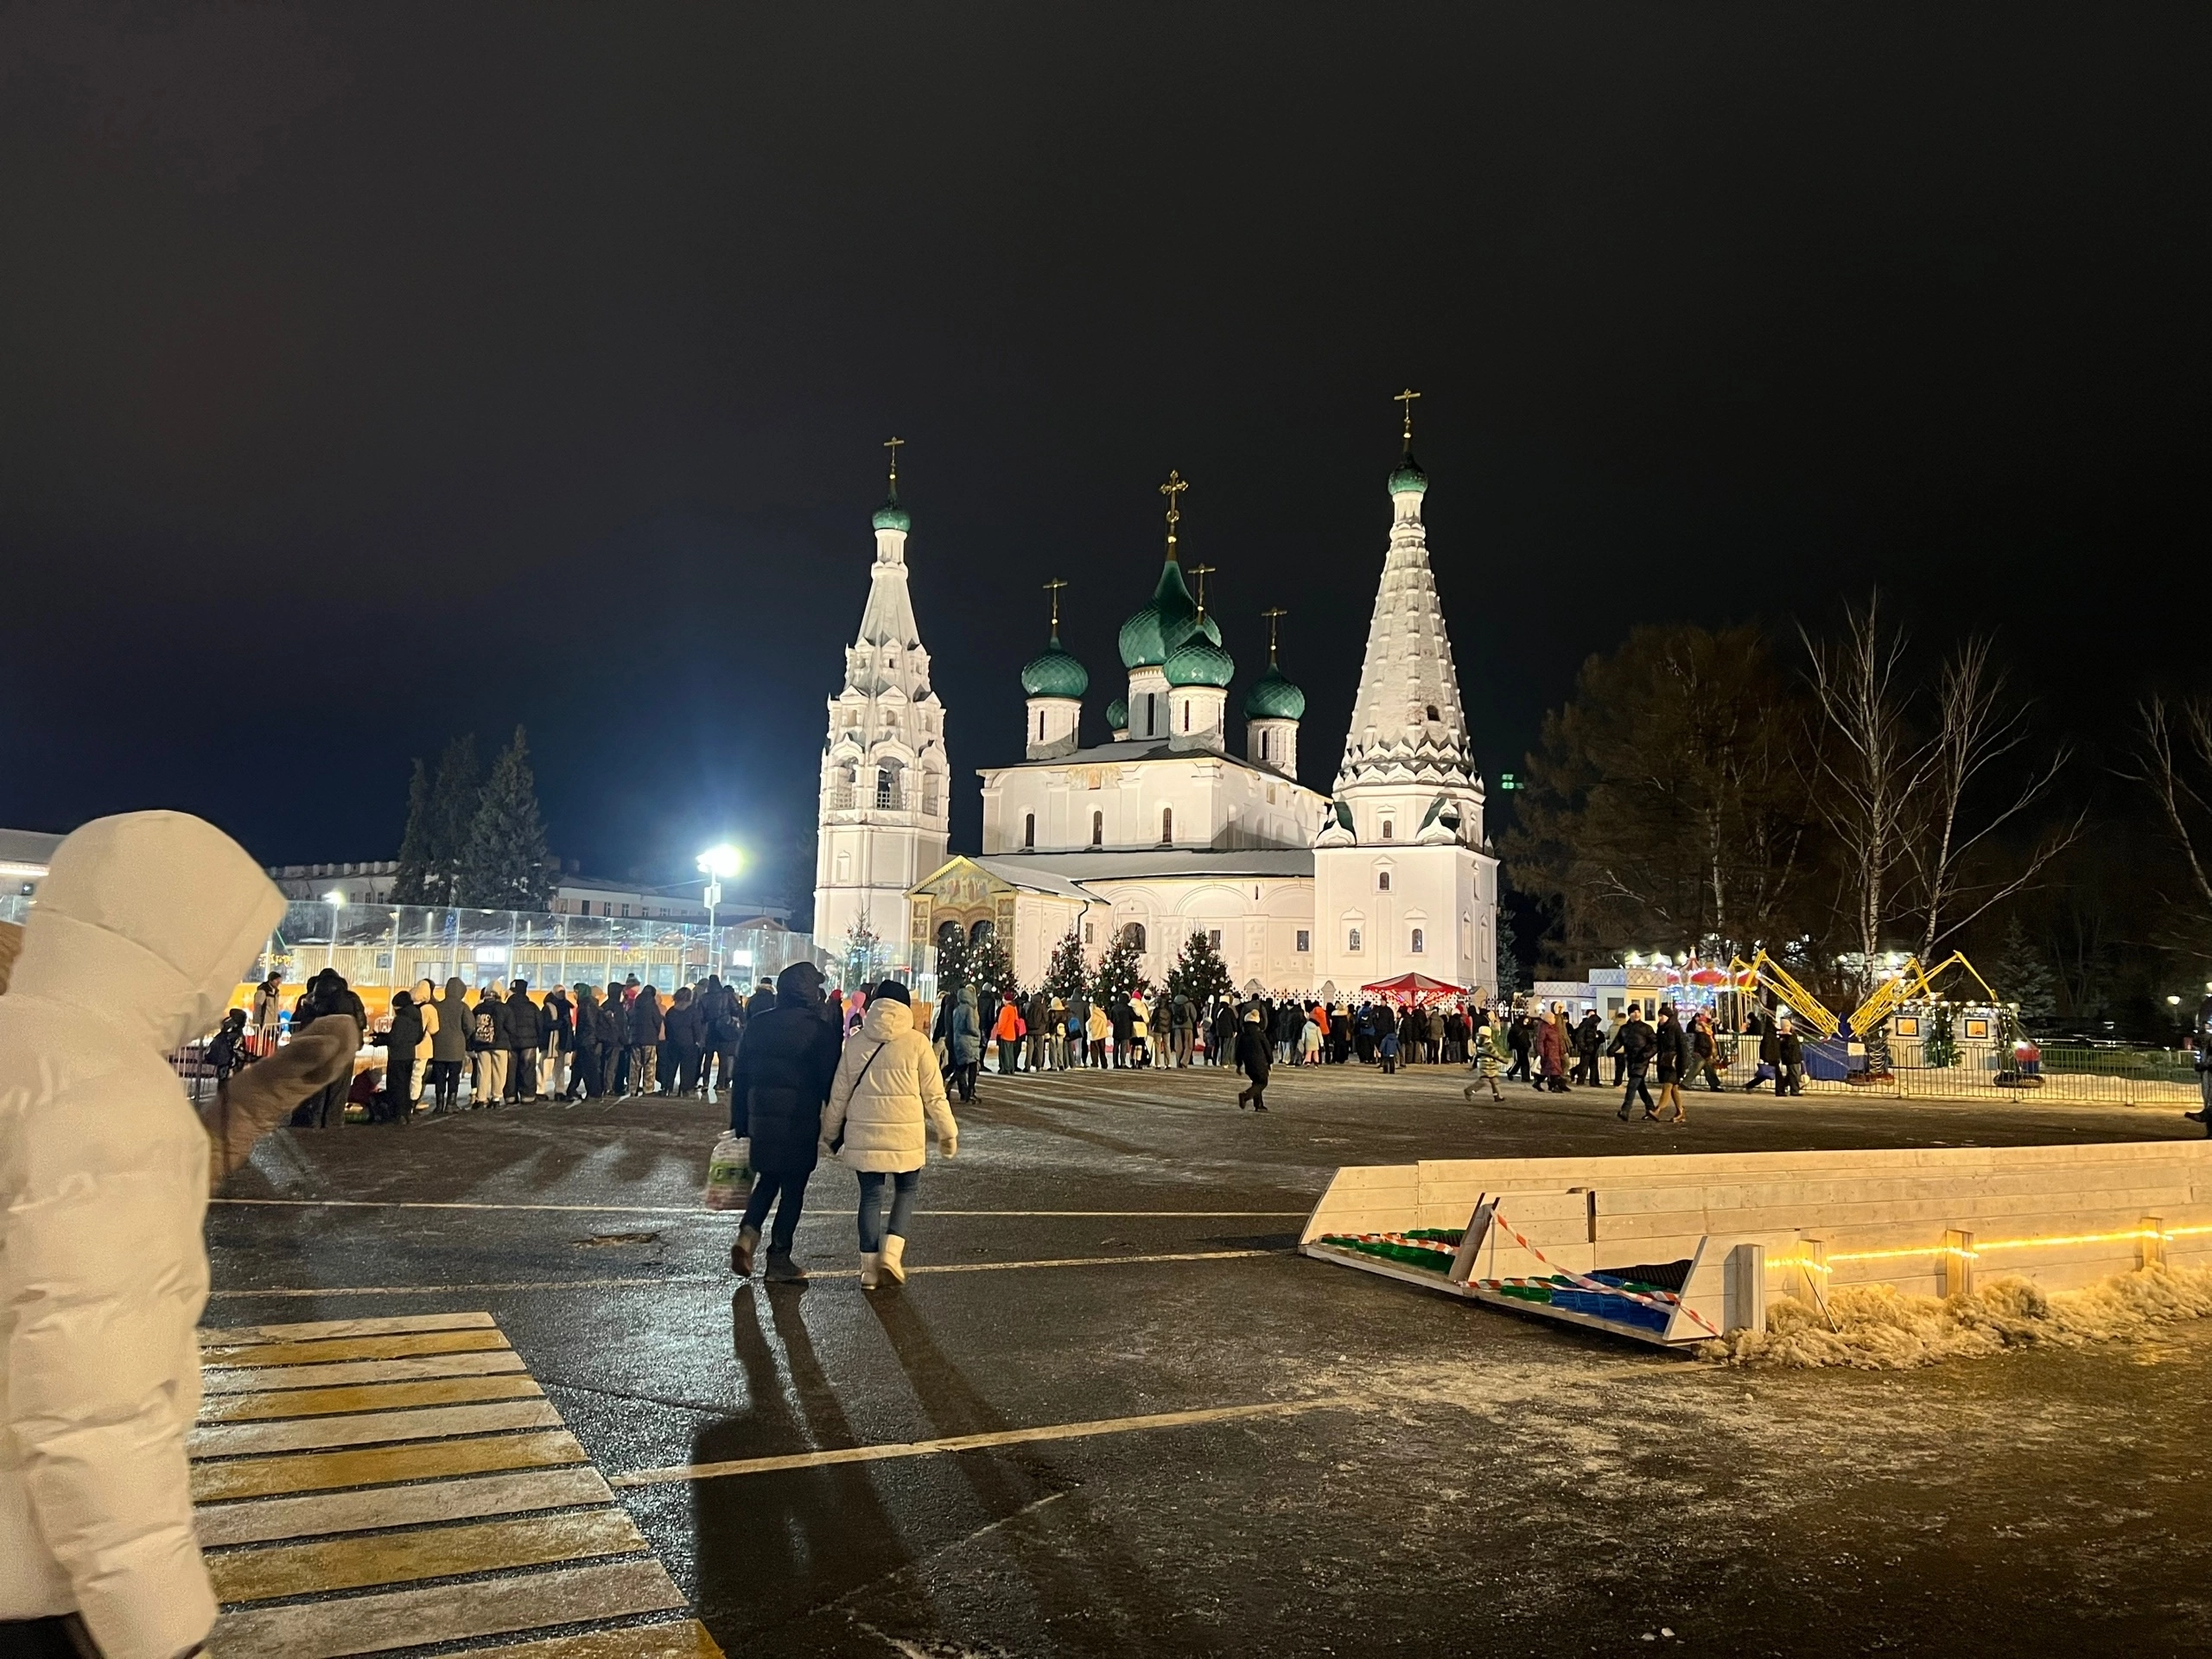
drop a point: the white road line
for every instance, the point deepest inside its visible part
(263, 1519)
(368, 1428)
(703, 1214)
(255, 1379)
(987, 1441)
(322, 1329)
(679, 1279)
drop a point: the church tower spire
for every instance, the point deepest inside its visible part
(884, 820)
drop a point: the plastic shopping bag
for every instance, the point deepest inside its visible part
(729, 1172)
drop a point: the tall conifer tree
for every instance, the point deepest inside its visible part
(507, 866)
(1067, 974)
(1120, 971)
(411, 883)
(453, 800)
(1199, 973)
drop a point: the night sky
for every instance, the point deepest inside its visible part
(372, 373)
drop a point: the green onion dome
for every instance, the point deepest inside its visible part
(1117, 716)
(1172, 617)
(1198, 661)
(1409, 476)
(1055, 674)
(891, 515)
(1273, 698)
(1140, 640)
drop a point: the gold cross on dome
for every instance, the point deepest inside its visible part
(1406, 398)
(1174, 486)
(1202, 571)
(1273, 613)
(893, 446)
(1053, 588)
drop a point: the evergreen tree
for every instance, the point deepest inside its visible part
(505, 866)
(410, 884)
(993, 970)
(1199, 973)
(2021, 973)
(955, 967)
(863, 955)
(1508, 957)
(1067, 974)
(453, 800)
(1120, 972)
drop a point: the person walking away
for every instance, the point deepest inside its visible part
(400, 1039)
(144, 923)
(1182, 1028)
(964, 1041)
(1637, 1045)
(1254, 1054)
(1705, 1051)
(886, 1096)
(1125, 1019)
(1761, 1025)
(1671, 1060)
(524, 1024)
(1521, 1041)
(556, 1060)
(645, 1035)
(725, 1029)
(1006, 1031)
(449, 1047)
(1039, 1019)
(685, 1044)
(1551, 1050)
(785, 1063)
(1309, 1042)
(268, 1015)
(1789, 1060)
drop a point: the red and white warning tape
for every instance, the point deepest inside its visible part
(1498, 1219)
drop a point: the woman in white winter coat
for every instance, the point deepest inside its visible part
(888, 1094)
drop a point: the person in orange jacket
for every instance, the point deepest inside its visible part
(1009, 1029)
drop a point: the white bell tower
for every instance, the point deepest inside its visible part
(885, 817)
(1403, 881)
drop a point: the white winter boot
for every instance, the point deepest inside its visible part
(869, 1260)
(894, 1259)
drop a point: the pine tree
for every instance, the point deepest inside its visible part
(863, 953)
(956, 967)
(411, 883)
(453, 800)
(1066, 974)
(1120, 971)
(505, 866)
(1508, 957)
(1199, 973)
(2021, 973)
(992, 967)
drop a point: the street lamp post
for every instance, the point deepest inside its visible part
(716, 863)
(336, 899)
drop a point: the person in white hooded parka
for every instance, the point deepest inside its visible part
(143, 929)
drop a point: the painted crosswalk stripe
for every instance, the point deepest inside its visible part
(368, 1486)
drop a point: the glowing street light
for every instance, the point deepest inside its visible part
(336, 899)
(717, 864)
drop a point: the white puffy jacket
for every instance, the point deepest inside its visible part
(141, 933)
(888, 1094)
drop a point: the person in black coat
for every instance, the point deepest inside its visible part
(396, 1105)
(685, 1044)
(1635, 1045)
(1671, 1060)
(1255, 1054)
(526, 1025)
(781, 1082)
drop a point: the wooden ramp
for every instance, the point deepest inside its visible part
(362, 1485)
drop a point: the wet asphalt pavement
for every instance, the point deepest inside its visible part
(1481, 1485)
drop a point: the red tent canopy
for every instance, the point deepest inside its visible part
(1412, 988)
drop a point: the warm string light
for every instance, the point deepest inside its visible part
(1939, 1250)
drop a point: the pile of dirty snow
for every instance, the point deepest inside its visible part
(1879, 1328)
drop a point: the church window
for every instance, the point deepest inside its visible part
(1029, 829)
(980, 931)
(1352, 938)
(1432, 714)
(1040, 725)
(1098, 829)
(1304, 941)
(1166, 826)
(1417, 942)
(1151, 713)
(1087, 933)
(1387, 828)
(844, 868)
(1382, 880)
(1132, 934)
(1263, 756)
(883, 787)
(1186, 714)
(1213, 938)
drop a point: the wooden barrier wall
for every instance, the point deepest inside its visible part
(1924, 1219)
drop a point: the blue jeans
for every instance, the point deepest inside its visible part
(902, 1205)
(767, 1185)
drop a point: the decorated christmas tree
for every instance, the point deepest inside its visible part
(1199, 973)
(956, 965)
(991, 971)
(863, 956)
(1066, 974)
(1120, 971)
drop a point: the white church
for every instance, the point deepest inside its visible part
(1161, 832)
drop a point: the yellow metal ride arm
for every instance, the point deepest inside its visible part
(1764, 970)
(1913, 980)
